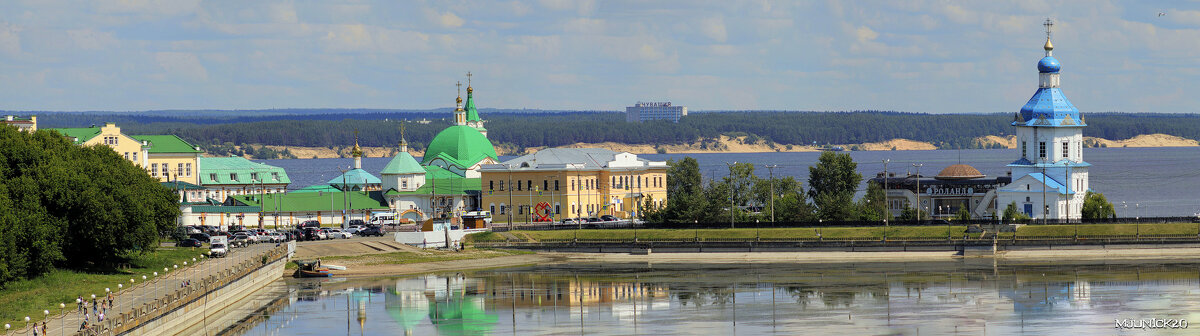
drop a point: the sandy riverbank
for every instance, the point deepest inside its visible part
(1145, 253)
(727, 144)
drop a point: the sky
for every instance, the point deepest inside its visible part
(914, 56)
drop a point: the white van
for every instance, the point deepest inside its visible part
(218, 246)
(381, 218)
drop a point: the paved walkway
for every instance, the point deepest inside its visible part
(142, 293)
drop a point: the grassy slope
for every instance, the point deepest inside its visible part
(31, 297)
(895, 232)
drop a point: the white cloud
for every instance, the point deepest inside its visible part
(181, 66)
(714, 28)
(446, 19)
(10, 39)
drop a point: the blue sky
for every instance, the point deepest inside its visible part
(918, 56)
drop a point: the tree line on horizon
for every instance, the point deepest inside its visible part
(523, 130)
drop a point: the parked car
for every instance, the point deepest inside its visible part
(608, 218)
(314, 234)
(190, 242)
(240, 239)
(336, 233)
(571, 221)
(352, 230)
(357, 222)
(310, 223)
(372, 230)
(203, 237)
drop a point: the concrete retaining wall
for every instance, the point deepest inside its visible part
(192, 305)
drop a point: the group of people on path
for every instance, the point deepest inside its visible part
(99, 309)
(40, 329)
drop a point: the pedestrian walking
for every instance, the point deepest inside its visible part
(86, 316)
(79, 301)
(95, 306)
(100, 318)
(83, 325)
(110, 299)
(45, 331)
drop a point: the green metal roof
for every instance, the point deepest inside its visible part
(243, 168)
(317, 188)
(472, 113)
(180, 185)
(81, 134)
(223, 208)
(459, 145)
(455, 185)
(166, 144)
(310, 201)
(402, 163)
(354, 177)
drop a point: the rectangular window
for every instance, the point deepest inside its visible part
(233, 177)
(154, 169)
(165, 170)
(1066, 149)
(213, 177)
(502, 188)
(1042, 149)
(1024, 149)
(545, 185)
(275, 176)
(127, 155)
(518, 185)
(253, 176)
(135, 157)
(188, 169)
(529, 184)
(521, 210)
(555, 185)
(491, 185)
(404, 184)
(179, 169)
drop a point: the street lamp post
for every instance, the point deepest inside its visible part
(918, 193)
(62, 321)
(885, 190)
(731, 192)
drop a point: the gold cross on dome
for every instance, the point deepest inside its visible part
(468, 79)
(1049, 25)
(459, 85)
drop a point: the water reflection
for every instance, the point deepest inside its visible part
(863, 298)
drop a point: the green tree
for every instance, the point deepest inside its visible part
(873, 205)
(741, 179)
(963, 214)
(1011, 213)
(1096, 206)
(794, 207)
(831, 184)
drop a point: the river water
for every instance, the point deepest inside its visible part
(968, 296)
(1143, 182)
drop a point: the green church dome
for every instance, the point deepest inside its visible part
(461, 146)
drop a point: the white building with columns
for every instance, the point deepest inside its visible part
(1050, 179)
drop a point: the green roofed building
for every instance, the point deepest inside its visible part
(223, 177)
(165, 157)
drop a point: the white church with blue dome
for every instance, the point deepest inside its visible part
(1050, 179)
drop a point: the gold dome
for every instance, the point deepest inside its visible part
(469, 89)
(959, 172)
(1048, 47)
(458, 100)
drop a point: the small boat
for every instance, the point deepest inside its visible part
(311, 269)
(336, 267)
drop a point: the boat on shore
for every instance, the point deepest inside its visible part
(311, 269)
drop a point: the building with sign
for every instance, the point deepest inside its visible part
(956, 187)
(1050, 179)
(644, 111)
(557, 183)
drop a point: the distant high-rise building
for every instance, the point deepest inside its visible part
(643, 111)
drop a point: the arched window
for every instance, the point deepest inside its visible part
(503, 209)
(492, 208)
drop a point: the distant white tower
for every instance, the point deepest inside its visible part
(1050, 179)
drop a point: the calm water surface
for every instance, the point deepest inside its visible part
(971, 297)
(1148, 181)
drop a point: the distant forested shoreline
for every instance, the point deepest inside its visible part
(522, 129)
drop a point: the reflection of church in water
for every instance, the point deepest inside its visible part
(1048, 180)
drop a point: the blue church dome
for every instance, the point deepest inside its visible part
(1048, 64)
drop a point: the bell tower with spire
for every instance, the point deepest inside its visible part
(1050, 179)
(460, 115)
(357, 152)
(473, 113)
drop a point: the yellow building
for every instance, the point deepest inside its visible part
(24, 124)
(558, 183)
(166, 157)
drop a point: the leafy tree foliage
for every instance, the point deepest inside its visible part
(831, 184)
(1011, 213)
(66, 205)
(1096, 206)
(873, 205)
